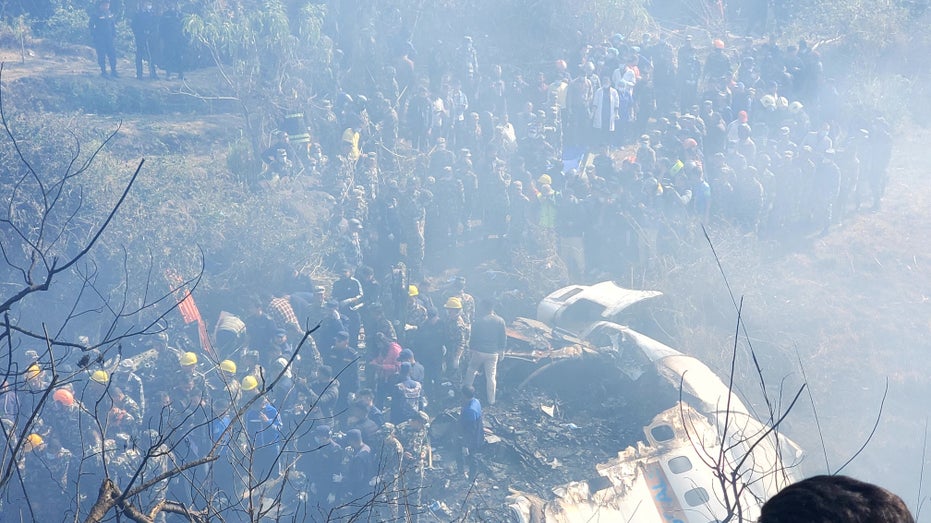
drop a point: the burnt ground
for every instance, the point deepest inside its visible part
(570, 417)
(852, 309)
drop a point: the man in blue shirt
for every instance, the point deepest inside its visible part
(471, 431)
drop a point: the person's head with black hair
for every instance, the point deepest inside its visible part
(467, 391)
(486, 306)
(835, 499)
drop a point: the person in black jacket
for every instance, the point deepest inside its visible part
(145, 34)
(103, 35)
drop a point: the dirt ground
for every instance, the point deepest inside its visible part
(852, 310)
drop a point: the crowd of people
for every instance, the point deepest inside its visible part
(616, 152)
(618, 157)
(341, 412)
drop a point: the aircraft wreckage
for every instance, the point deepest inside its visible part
(703, 456)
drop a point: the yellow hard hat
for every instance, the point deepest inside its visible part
(100, 376)
(188, 359)
(33, 441)
(33, 371)
(412, 290)
(545, 179)
(228, 366)
(249, 383)
(453, 303)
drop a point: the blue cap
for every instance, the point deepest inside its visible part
(406, 355)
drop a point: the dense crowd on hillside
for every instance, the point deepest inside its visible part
(616, 152)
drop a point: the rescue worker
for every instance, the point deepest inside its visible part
(416, 314)
(489, 341)
(455, 334)
(263, 424)
(389, 455)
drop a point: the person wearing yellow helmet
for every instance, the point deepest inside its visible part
(249, 383)
(222, 382)
(228, 366)
(415, 314)
(100, 376)
(263, 424)
(453, 305)
(188, 359)
(33, 442)
(455, 333)
(33, 372)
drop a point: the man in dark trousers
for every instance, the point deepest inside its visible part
(174, 43)
(145, 34)
(103, 34)
(471, 431)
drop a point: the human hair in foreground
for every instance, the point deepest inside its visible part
(835, 499)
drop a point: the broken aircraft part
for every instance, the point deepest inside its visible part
(703, 457)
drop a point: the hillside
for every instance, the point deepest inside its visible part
(853, 307)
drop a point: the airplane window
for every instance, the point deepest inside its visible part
(662, 433)
(697, 496)
(680, 464)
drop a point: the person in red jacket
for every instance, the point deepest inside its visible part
(386, 367)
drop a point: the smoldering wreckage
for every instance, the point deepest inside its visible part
(609, 424)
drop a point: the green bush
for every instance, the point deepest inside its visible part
(68, 24)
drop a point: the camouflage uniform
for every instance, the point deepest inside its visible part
(390, 454)
(416, 313)
(468, 312)
(456, 333)
(413, 437)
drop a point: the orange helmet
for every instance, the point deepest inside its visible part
(63, 396)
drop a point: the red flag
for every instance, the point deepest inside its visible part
(189, 311)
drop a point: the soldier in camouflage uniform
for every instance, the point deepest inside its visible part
(413, 436)
(368, 176)
(450, 199)
(47, 469)
(416, 313)
(412, 214)
(455, 333)
(390, 453)
(468, 305)
(350, 245)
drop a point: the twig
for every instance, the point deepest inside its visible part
(814, 409)
(872, 432)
